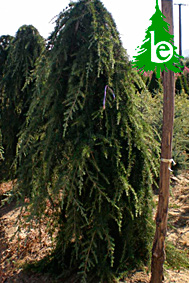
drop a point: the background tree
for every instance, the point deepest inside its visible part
(17, 86)
(155, 85)
(185, 83)
(147, 81)
(5, 41)
(178, 85)
(95, 166)
(181, 132)
(153, 114)
(187, 78)
(143, 60)
(187, 62)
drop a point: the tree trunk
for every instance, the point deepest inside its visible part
(158, 250)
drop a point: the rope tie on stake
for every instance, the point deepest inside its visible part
(169, 161)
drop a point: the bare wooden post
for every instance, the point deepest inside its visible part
(158, 250)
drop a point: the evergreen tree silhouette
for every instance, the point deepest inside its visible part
(100, 160)
(154, 85)
(16, 87)
(178, 85)
(187, 63)
(161, 33)
(5, 41)
(185, 84)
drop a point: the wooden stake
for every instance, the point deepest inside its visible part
(158, 250)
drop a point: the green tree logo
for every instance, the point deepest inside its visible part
(157, 51)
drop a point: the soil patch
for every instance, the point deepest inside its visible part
(33, 245)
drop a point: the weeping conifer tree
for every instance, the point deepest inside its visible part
(17, 86)
(5, 41)
(94, 165)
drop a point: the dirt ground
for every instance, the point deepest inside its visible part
(34, 245)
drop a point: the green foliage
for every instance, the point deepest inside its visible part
(181, 131)
(176, 258)
(155, 85)
(185, 83)
(1, 147)
(139, 82)
(147, 80)
(5, 41)
(154, 116)
(178, 85)
(16, 86)
(187, 78)
(187, 63)
(93, 167)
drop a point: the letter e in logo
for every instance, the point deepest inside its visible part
(161, 52)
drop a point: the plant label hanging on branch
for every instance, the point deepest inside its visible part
(157, 51)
